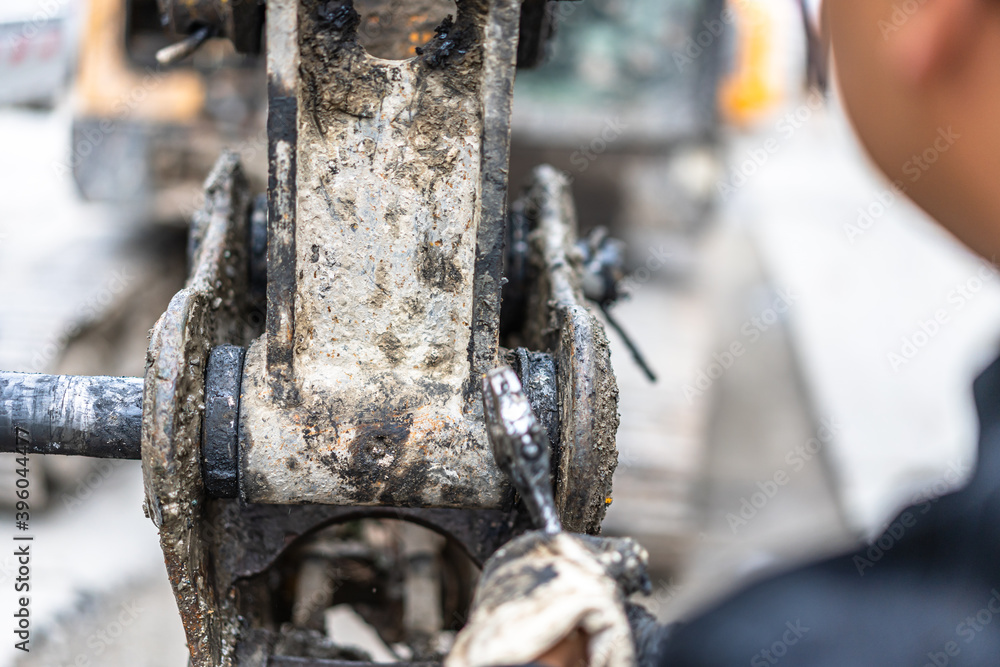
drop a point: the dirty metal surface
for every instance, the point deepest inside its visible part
(70, 415)
(248, 542)
(539, 380)
(387, 243)
(282, 131)
(286, 661)
(537, 27)
(219, 440)
(257, 535)
(201, 315)
(559, 319)
(386, 211)
(520, 445)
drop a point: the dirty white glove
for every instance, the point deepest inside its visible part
(538, 589)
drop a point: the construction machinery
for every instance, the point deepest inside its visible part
(323, 364)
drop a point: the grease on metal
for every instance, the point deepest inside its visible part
(559, 319)
(394, 307)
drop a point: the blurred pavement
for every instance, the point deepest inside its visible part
(65, 264)
(831, 416)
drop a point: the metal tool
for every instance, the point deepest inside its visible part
(169, 55)
(520, 446)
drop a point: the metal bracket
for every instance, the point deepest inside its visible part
(387, 218)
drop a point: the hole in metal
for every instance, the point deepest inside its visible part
(394, 29)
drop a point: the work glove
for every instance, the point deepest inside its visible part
(539, 588)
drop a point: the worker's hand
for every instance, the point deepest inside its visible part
(542, 595)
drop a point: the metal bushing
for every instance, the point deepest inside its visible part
(219, 435)
(520, 446)
(539, 379)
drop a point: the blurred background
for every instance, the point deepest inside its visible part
(814, 335)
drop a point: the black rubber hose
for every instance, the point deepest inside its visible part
(74, 415)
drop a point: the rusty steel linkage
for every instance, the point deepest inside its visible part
(362, 395)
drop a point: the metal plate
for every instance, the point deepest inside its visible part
(559, 319)
(388, 198)
(201, 315)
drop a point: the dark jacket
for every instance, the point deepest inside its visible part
(931, 597)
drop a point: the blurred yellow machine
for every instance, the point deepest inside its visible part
(756, 83)
(149, 134)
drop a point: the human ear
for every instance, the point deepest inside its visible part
(936, 38)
